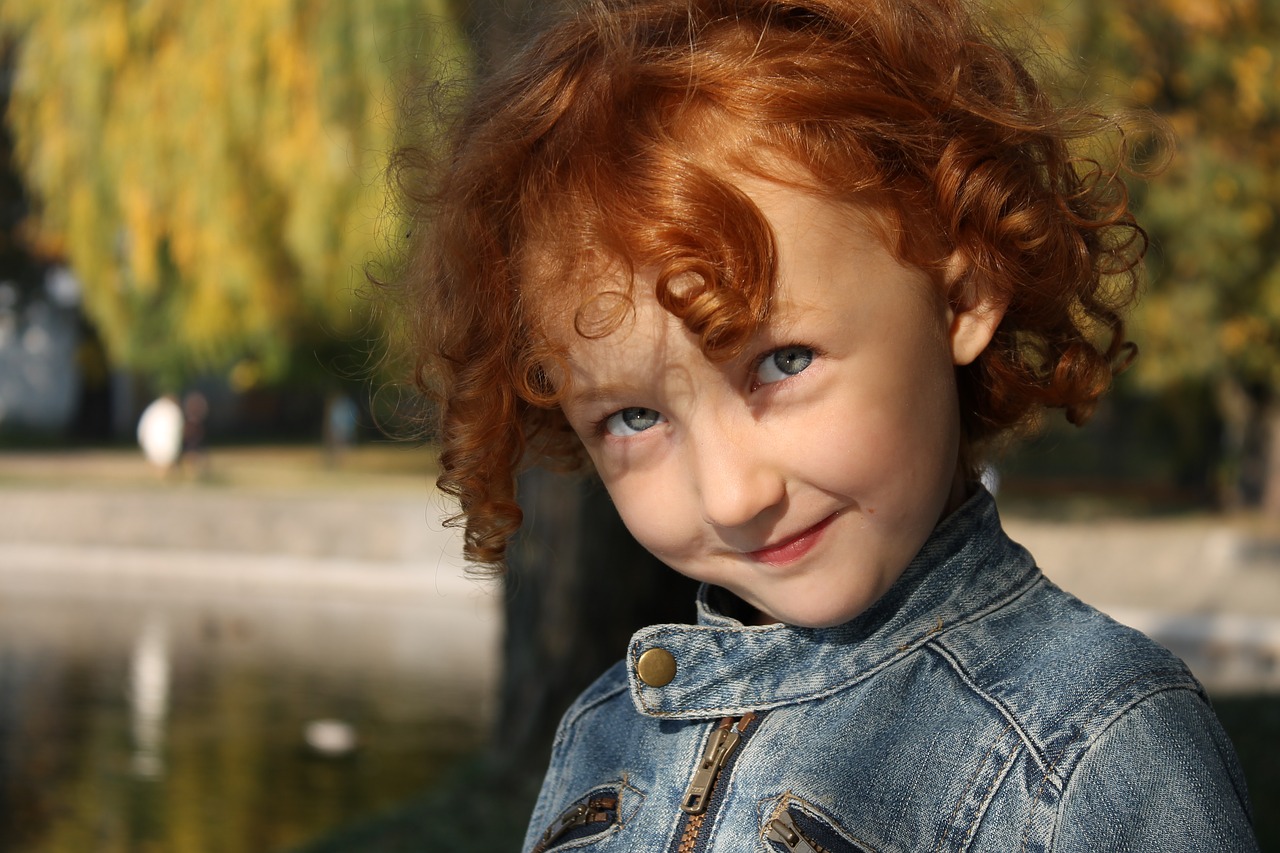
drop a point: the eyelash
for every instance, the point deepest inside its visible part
(759, 361)
(600, 428)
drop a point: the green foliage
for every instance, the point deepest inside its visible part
(214, 171)
(1211, 69)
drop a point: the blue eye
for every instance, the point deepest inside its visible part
(783, 363)
(632, 421)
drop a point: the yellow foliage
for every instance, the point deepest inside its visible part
(1255, 76)
(214, 168)
(1144, 89)
(1240, 334)
(1225, 188)
(245, 375)
(1208, 16)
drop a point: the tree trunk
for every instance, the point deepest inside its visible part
(1251, 412)
(578, 585)
(1270, 464)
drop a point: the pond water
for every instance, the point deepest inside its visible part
(226, 721)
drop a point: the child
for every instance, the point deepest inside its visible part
(782, 270)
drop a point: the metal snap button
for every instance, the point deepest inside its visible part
(656, 667)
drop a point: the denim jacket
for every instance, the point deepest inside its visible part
(976, 706)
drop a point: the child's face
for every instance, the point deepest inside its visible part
(806, 474)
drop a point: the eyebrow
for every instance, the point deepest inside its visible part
(593, 395)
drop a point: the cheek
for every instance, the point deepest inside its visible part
(653, 511)
(889, 439)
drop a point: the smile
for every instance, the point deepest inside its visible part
(792, 549)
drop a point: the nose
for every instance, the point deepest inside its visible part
(736, 477)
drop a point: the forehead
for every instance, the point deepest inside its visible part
(678, 215)
(609, 307)
(840, 292)
(586, 288)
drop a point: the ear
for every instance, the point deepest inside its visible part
(975, 312)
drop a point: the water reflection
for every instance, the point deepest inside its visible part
(175, 724)
(149, 695)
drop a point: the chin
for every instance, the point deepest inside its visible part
(813, 618)
(830, 622)
(826, 605)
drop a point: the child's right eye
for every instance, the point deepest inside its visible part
(632, 421)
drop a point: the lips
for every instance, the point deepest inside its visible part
(791, 549)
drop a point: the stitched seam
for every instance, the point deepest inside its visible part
(906, 651)
(619, 823)
(973, 780)
(587, 841)
(1026, 836)
(640, 795)
(1121, 709)
(1041, 760)
(991, 795)
(580, 712)
(813, 811)
(1110, 721)
(1097, 736)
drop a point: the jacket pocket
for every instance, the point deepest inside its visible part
(796, 826)
(594, 816)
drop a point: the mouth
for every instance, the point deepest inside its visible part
(792, 548)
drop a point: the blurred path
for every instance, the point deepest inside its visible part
(273, 531)
(1207, 588)
(363, 543)
(102, 524)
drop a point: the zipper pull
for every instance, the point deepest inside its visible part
(719, 746)
(592, 811)
(784, 830)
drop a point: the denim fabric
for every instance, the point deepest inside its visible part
(976, 706)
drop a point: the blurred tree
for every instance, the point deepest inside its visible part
(21, 274)
(1211, 316)
(213, 171)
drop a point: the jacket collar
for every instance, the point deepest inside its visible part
(967, 567)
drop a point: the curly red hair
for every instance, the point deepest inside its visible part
(611, 140)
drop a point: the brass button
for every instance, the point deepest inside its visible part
(656, 667)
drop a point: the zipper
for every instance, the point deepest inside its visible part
(784, 830)
(715, 756)
(594, 810)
